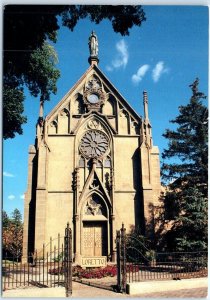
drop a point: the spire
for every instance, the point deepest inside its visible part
(145, 102)
(93, 47)
(41, 108)
(146, 126)
(40, 122)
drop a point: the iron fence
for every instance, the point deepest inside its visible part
(173, 265)
(136, 262)
(49, 267)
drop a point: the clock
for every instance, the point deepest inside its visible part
(93, 98)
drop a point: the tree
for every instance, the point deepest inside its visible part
(12, 235)
(29, 58)
(5, 219)
(40, 77)
(191, 224)
(187, 192)
(16, 217)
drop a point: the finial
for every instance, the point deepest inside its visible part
(145, 102)
(93, 47)
(41, 112)
(145, 96)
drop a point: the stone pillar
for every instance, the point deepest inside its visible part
(113, 228)
(28, 197)
(156, 185)
(151, 187)
(76, 217)
(146, 181)
(147, 168)
(77, 239)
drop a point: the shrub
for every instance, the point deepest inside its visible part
(98, 273)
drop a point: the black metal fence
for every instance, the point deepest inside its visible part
(50, 267)
(138, 263)
(167, 266)
(53, 265)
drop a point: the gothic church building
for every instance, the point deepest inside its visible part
(93, 165)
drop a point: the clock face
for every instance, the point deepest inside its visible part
(93, 98)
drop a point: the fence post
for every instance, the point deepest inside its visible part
(119, 288)
(68, 260)
(123, 258)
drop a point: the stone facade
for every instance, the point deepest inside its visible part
(93, 165)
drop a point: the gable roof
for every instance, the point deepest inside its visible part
(109, 85)
(122, 99)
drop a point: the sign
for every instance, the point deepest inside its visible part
(93, 261)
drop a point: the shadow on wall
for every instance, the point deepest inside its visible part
(138, 198)
(32, 208)
(159, 227)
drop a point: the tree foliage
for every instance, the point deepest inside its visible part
(189, 142)
(16, 217)
(191, 224)
(187, 193)
(12, 234)
(29, 57)
(5, 219)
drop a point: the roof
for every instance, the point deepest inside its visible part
(109, 85)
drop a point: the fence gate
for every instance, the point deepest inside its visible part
(50, 267)
(136, 262)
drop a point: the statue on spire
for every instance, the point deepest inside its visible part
(93, 44)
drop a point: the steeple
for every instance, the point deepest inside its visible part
(147, 128)
(93, 47)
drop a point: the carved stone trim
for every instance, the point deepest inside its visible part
(94, 87)
(94, 206)
(100, 95)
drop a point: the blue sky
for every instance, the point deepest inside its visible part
(163, 56)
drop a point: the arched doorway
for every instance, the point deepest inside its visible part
(95, 227)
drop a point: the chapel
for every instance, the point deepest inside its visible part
(93, 165)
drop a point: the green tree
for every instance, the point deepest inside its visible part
(12, 234)
(191, 224)
(40, 77)
(29, 59)
(16, 218)
(5, 219)
(188, 173)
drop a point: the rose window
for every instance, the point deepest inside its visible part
(94, 144)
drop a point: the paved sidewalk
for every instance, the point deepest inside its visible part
(184, 293)
(79, 291)
(85, 291)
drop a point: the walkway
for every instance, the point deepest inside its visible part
(85, 291)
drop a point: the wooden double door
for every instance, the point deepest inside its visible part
(94, 238)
